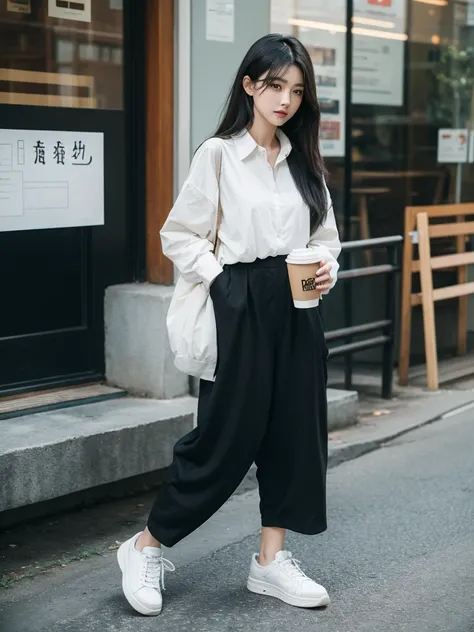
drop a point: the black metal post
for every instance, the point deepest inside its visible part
(389, 331)
(135, 130)
(346, 257)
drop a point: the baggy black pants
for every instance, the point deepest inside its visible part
(267, 405)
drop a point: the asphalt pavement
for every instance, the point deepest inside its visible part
(398, 556)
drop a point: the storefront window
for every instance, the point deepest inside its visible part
(412, 76)
(411, 124)
(58, 53)
(395, 133)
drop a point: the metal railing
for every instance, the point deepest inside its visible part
(386, 328)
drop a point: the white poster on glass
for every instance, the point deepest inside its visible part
(78, 10)
(379, 36)
(220, 20)
(51, 179)
(329, 69)
(470, 13)
(453, 145)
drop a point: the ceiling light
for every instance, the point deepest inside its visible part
(339, 28)
(436, 3)
(370, 22)
(382, 34)
(322, 26)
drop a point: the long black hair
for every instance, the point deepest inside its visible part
(273, 54)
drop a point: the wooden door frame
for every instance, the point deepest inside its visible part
(159, 103)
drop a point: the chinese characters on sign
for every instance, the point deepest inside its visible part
(39, 153)
(51, 179)
(79, 153)
(59, 154)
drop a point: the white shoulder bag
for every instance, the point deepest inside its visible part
(191, 321)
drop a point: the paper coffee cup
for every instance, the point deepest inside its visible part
(303, 264)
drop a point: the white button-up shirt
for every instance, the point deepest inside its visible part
(263, 213)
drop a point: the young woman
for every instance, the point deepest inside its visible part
(268, 402)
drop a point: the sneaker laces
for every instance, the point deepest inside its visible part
(292, 567)
(153, 570)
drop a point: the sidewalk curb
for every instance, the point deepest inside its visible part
(353, 450)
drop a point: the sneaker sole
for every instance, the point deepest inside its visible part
(129, 596)
(264, 588)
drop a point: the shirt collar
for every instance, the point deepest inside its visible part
(245, 144)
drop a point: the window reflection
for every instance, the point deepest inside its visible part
(61, 61)
(412, 74)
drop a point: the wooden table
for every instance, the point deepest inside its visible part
(440, 174)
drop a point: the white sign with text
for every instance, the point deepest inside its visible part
(379, 40)
(470, 13)
(220, 20)
(453, 145)
(70, 10)
(51, 179)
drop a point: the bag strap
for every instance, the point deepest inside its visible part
(217, 241)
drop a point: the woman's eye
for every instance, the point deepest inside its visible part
(276, 86)
(299, 92)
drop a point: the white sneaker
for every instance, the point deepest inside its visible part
(143, 576)
(284, 579)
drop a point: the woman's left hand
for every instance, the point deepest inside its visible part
(323, 276)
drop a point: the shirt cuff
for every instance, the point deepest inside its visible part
(208, 268)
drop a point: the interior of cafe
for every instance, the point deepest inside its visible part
(407, 70)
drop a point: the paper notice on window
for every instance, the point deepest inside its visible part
(328, 57)
(78, 10)
(19, 6)
(453, 145)
(470, 12)
(378, 58)
(51, 179)
(220, 17)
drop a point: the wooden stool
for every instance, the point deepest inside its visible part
(363, 213)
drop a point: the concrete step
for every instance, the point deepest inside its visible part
(48, 455)
(343, 408)
(51, 454)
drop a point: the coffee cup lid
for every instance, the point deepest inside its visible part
(303, 256)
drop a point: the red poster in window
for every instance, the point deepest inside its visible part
(381, 3)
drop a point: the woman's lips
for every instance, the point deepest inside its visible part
(281, 114)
